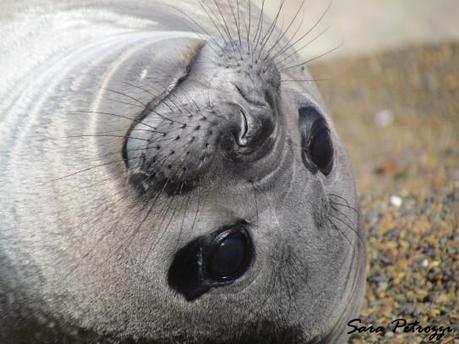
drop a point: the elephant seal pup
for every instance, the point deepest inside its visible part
(168, 176)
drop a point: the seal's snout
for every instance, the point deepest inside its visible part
(223, 108)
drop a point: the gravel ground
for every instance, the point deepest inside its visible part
(398, 113)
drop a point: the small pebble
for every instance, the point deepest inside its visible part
(384, 118)
(425, 263)
(396, 201)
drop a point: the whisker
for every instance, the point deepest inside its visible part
(271, 29)
(225, 25)
(286, 30)
(306, 80)
(124, 103)
(212, 20)
(318, 21)
(111, 114)
(92, 168)
(340, 231)
(345, 201)
(312, 58)
(104, 135)
(259, 28)
(124, 95)
(304, 46)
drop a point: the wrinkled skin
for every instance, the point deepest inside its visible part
(124, 136)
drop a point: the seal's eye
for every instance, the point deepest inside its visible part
(229, 255)
(211, 261)
(316, 141)
(321, 149)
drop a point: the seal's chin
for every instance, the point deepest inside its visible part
(216, 113)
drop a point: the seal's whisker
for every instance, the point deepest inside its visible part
(259, 29)
(248, 27)
(163, 116)
(235, 19)
(191, 100)
(113, 115)
(167, 208)
(255, 203)
(146, 107)
(177, 106)
(299, 267)
(284, 32)
(271, 29)
(198, 203)
(352, 222)
(199, 26)
(339, 231)
(97, 242)
(345, 201)
(237, 25)
(197, 29)
(353, 227)
(278, 51)
(93, 167)
(134, 233)
(347, 225)
(187, 203)
(124, 103)
(292, 45)
(294, 267)
(123, 130)
(238, 22)
(356, 211)
(124, 95)
(217, 27)
(165, 101)
(312, 58)
(297, 51)
(188, 100)
(306, 80)
(159, 164)
(225, 25)
(162, 215)
(125, 245)
(104, 135)
(347, 221)
(297, 273)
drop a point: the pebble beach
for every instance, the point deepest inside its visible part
(398, 113)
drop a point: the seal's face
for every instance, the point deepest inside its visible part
(252, 212)
(171, 188)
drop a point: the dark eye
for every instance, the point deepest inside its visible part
(321, 149)
(211, 261)
(229, 255)
(316, 142)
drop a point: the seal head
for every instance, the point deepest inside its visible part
(168, 186)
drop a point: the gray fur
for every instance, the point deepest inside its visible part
(84, 255)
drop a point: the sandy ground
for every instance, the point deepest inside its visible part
(398, 113)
